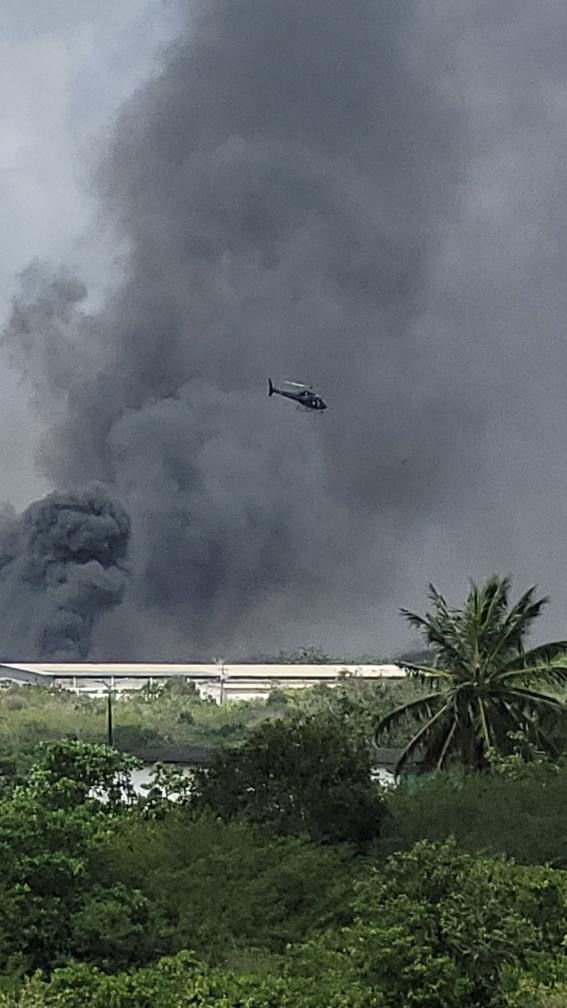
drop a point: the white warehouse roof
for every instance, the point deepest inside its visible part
(198, 670)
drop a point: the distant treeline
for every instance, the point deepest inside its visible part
(317, 656)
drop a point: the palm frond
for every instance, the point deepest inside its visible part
(517, 624)
(417, 739)
(439, 744)
(486, 617)
(472, 622)
(446, 746)
(542, 654)
(538, 717)
(439, 601)
(546, 675)
(425, 673)
(424, 707)
(495, 601)
(483, 673)
(443, 635)
(525, 725)
(513, 716)
(537, 701)
(484, 723)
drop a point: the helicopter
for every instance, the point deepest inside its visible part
(306, 399)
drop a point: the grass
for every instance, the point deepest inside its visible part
(171, 717)
(173, 714)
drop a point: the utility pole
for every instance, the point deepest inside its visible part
(109, 723)
(221, 681)
(109, 726)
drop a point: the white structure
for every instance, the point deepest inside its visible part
(218, 680)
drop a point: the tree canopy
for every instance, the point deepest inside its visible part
(308, 776)
(484, 685)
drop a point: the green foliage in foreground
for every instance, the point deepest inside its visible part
(522, 813)
(50, 828)
(434, 927)
(182, 982)
(484, 685)
(223, 889)
(531, 994)
(307, 776)
(87, 874)
(102, 896)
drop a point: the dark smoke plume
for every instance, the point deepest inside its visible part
(62, 565)
(351, 194)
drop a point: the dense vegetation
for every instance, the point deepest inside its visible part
(174, 714)
(163, 715)
(283, 875)
(110, 901)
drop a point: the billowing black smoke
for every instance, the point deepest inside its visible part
(62, 565)
(279, 185)
(352, 194)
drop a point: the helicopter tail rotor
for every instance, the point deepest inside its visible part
(270, 387)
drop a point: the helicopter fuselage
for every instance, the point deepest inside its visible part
(306, 398)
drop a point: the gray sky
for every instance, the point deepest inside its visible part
(370, 196)
(66, 67)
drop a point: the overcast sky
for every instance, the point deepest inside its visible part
(66, 66)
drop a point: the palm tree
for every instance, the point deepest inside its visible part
(483, 685)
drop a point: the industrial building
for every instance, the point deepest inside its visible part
(218, 680)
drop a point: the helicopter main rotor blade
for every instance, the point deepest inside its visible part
(297, 384)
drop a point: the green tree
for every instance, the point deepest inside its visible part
(484, 685)
(532, 994)
(183, 982)
(358, 703)
(307, 655)
(44, 851)
(52, 896)
(72, 772)
(11, 773)
(470, 808)
(222, 888)
(309, 775)
(436, 926)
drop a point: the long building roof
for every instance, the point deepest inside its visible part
(197, 670)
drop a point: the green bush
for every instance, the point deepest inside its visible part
(220, 887)
(306, 776)
(437, 926)
(182, 982)
(524, 816)
(136, 738)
